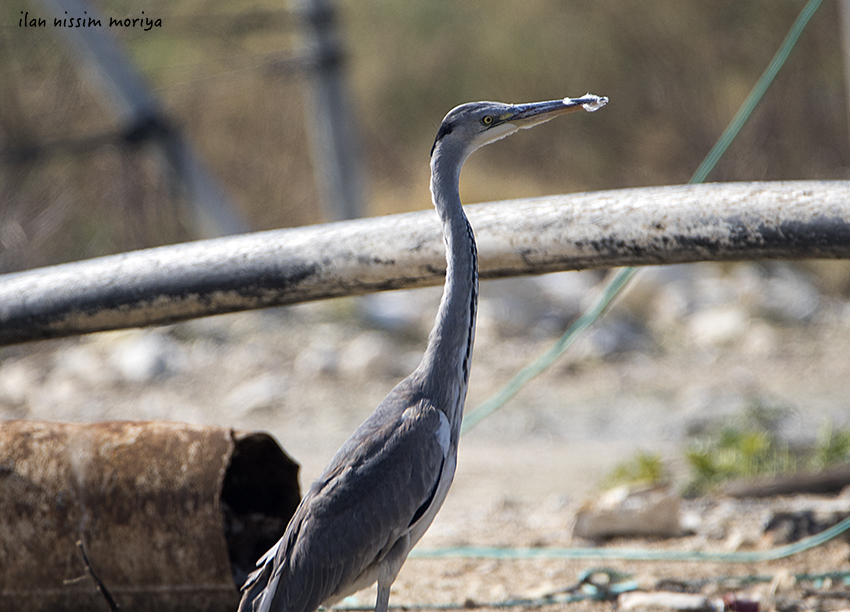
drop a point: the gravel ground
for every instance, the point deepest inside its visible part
(687, 347)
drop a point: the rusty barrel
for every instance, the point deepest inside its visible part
(171, 515)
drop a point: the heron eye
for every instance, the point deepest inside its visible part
(486, 119)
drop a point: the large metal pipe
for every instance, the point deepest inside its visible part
(646, 226)
(171, 515)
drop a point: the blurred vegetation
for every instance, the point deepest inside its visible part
(644, 468)
(675, 72)
(744, 445)
(752, 444)
(832, 447)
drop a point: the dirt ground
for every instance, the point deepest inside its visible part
(310, 374)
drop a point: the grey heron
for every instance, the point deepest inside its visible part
(381, 491)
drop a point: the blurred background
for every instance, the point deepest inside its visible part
(230, 77)
(688, 344)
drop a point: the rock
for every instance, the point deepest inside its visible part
(370, 355)
(17, 380)
(788, 296)
(671, 601)
(321, 357)
(263, 392)
(624, 512)
(145, 355)
(614, 335)
(717, 326)
(83, 362)
(511, 308)
(399, 311)
(569, 289)
(804, 518)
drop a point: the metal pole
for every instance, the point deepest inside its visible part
(844, 11)
(334, 142)
(628, 227)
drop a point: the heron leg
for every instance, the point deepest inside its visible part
(388, 570)
(383, 598)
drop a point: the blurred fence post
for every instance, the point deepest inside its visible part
(844, 10)
(142, 118)
(330, 120)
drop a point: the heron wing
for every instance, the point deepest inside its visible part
(379, 484)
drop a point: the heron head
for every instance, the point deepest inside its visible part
(473, 125)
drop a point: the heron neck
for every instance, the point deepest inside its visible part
(449, 352)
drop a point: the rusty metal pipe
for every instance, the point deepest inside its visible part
(172, 515)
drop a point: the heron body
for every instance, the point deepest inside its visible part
(383, 488)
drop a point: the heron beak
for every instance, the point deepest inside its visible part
(529, 115)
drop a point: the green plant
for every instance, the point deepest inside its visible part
(643, 468)
(749, 446)
(832, 447)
